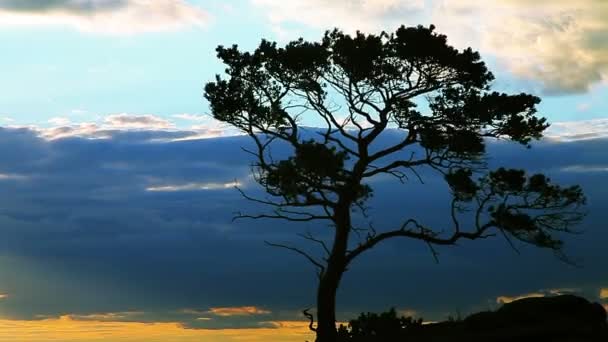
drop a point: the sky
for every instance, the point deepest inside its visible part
(119, 186)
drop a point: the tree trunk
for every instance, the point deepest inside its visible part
(326, 307)
(330, 280)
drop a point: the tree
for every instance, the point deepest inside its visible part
(358, 87)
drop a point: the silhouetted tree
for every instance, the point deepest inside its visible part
(357, 87)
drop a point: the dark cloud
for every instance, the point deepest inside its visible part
(82, 235)
(74, 6)
(104, 16)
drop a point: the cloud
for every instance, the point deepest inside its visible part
(604, 293)
(509, 299)
(68, 329)
(578, 130)
(155, 128)
(557, 43)
(560, 45)
(59, 121)
(192, 117)
(541, 293)
(83, 221)
(238, 311)
(5, 176)
(585, 168)
(128, 121)
(104, 16)
(349, 15)
(108, 317)
(3, 296)
(583, 107)
(74, 6)
(192, 187)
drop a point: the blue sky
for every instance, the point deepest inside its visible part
(118, 191)
(82, 69)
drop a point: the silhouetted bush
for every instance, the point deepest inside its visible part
(372, 327)
(550, 319)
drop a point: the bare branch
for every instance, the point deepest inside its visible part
(311, 318)
(312, 260)
(310, 237)
(421, 232)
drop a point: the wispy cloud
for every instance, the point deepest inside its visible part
(537, 294)
(104, 16)
(12, 176)
(191, 117)
(59, 121)
(137, 121)
(585, 168)
(238, 311)
(108, 316)
(578, 130)
(509, 299)
(113, 124)
(192, 187)
(227, 311)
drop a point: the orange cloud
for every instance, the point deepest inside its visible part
(604, 293)
(237, 311)
(68, 329)
(509, 299)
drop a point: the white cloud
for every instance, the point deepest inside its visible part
(104, 16)
(191, 187)
(192, 117)
(12, 176)
(583, 107)
(59, 121)
(578, 130)
(560, 44)
(108, 126)
(349, 15)
(129, 121)
(585, 168)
